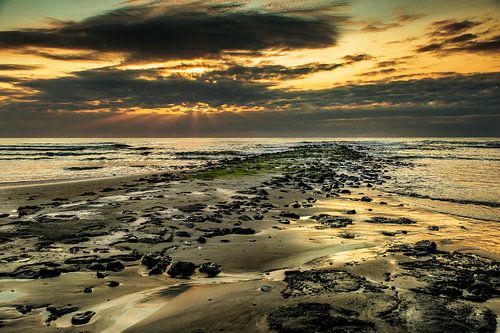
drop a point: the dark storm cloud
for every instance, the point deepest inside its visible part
(279, 72)
(451, 36)
(180, 32)
(451, 105)
(115, 89)
(16, 67)
(128, 89)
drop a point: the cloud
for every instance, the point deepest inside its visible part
(86, 56)
(181, 31)
(352, 109)
(17, 67)
(379, 72)
(451, 27)
(268, 72)
(352, 58)
(452, 36)
(399, 21)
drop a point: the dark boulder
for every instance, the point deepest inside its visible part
(115, 266)
(290, 215)
(426, 246)
(182, 269)
(210, 269)
(49, 272)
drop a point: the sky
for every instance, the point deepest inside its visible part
(249, 68)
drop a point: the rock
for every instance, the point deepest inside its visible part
(332, 221)
(345, 192)
(262, 192)
(113, 284)
(292, 272)
(284, 221)
(182, 234)
(4, 215)
(193, 208)
(82, 318)
(87, 290)
(386, 220)
(426, 246)
(55, 312)
(156, 263)
(97, 267)
(314, 318)
(258, 216)
(24, 309)
(201, 240)
(290, 215)
(366, 199)
(27, 210)
(100, 275)
(243, 231)
(265, 288)
(115, 266)
(388, 233)
(318, 282)
(45, 273)
(351, 212)
(433, 228)
(210, 269)
(182, 269)
(347, 235)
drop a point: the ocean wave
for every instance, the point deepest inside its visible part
(210, 153)
(59, 147)
(408, 157)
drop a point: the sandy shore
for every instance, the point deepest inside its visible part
(303, 241)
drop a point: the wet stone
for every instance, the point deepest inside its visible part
(385, 220)
(316, 282)
(82, 318)
(332, 221)
(314, 318)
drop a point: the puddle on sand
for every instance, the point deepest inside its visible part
(9, 295)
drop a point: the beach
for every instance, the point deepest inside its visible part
(304, 239)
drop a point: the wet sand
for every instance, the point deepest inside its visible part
(284, 267)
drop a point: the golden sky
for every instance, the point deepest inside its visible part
(97, 60)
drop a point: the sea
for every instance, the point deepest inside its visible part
(455, 176)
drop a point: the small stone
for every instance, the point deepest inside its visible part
(265, 288)
(113, 284)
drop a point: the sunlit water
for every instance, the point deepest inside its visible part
(464, 174)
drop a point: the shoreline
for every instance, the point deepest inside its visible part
(283, 265)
